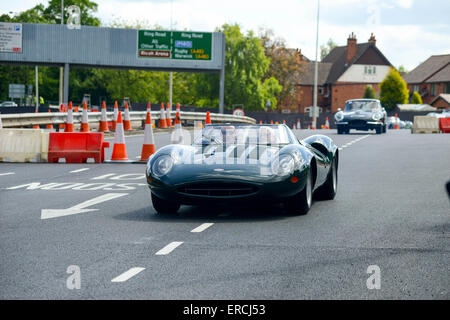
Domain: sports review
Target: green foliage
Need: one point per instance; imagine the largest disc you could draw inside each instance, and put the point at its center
(416, 98)
(369, 93)
(245, 66)
(285, 66)
(393, 90)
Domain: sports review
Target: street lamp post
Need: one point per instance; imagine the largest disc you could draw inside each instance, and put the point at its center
(316, 70)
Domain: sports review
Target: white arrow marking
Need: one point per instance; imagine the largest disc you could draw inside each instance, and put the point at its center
(79, 208)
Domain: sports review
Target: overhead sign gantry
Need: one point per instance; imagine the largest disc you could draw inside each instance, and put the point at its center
(58, 45)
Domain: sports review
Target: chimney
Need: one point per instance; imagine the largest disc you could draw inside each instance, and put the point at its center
(372, 39)
(351, 48)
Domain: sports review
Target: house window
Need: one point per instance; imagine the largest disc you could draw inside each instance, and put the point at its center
(321, 90)
(447, 87)
(370, 69)
(416, 88)
(433, 90)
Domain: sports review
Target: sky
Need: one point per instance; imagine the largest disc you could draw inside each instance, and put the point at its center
(407, 31)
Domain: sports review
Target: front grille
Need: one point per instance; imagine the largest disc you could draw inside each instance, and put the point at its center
(358, 123)
(218, 189)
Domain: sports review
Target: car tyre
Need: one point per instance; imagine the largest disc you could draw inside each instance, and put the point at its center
(164, 206)
(340, 130)
(301, 202)
(379, 129)
(329, 189)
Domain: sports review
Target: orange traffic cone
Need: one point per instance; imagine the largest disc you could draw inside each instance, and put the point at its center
(119, 149)
(294, 127)
(126, 119)
(148, 148)
(84, 119)
(396, 125)
(178, 107)
(168, 118)
(62, 125)
(309, 126)
(116, 112)
(177, 134)
(313, 125)
(49, 126)
(76, 109)
(208, 118)
(327, 124)
(149, 107)
(271, 121)
(260, 121)
(103, 121)
(69, 121)
(162, 118)
(284, 121)
(299, 126)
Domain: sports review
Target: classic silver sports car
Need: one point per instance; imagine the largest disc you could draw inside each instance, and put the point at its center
(361, 114)
(235, 163)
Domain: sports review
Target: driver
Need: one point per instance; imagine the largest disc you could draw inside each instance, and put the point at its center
(228, 134)
(267, 135)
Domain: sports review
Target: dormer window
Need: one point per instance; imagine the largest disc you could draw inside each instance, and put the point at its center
(369, 70)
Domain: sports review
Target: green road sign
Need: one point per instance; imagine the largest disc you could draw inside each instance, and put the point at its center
(180, 45)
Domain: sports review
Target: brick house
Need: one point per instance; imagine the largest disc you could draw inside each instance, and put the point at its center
(441, 102)
(430, 78)
(344, 74)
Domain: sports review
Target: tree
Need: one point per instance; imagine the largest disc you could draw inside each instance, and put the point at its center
(369, 93)
(285, 66)
(402, 69)
(245, 66)
(416, 98)
(393, 90)
(326, 49)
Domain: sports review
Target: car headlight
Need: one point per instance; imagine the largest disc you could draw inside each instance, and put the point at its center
(162, 165)
(283, 165)
(377, 116)
(339, 116)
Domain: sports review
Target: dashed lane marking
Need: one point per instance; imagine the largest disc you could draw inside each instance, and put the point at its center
(202, 227)
(79, 170)
(169, 248)
(6, 173)
(128, 274)
(348, 144)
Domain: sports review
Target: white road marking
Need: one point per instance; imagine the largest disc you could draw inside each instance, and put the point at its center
(169, 248)
(104, 176)
(202, 227)
(128, 274)
(6, 173)
(79, 170)
(79, 208)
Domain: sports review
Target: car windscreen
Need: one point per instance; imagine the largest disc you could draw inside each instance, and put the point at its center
(230, 134)
(361, 105)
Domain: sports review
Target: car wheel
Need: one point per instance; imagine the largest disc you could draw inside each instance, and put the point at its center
(163, 206)
(301, 202)
(378, 130)
(329, 189)
(340, 130)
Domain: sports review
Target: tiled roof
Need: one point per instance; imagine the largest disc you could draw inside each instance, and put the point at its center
(307, 77)
(430, 68)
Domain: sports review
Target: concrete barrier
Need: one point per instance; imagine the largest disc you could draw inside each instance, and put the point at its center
(424, 124)
(23, 145)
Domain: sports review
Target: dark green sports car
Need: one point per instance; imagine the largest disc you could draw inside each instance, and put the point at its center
(235, 164)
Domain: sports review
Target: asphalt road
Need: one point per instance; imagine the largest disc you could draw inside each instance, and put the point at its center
(391, 211)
